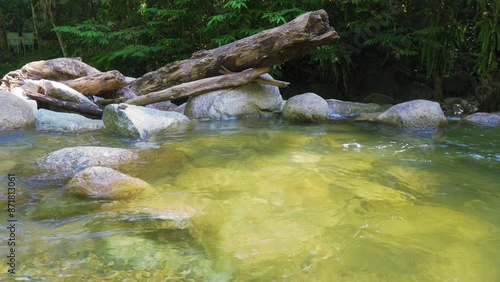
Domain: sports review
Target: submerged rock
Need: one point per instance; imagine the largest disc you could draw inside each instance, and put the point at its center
(416, 114)
(15, 112)
(247, 100)
(69, 161)
(140, 122)
(485, 118)
(345, 108)
(55, 121)
(307, 107)
(105, 183)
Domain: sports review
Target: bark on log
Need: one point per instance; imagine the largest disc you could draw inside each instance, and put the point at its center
(199, 86)
(74, 107)
(269, 47)
(58, 69)
(98, 83)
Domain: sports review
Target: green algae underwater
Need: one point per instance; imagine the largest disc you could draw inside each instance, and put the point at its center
(257, 200)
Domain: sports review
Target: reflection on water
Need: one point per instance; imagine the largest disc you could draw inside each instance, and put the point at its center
(262, 201)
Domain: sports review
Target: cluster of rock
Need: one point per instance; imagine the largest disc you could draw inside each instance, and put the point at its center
(250, 100)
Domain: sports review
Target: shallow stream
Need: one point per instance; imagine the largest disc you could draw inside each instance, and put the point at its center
(254, 200)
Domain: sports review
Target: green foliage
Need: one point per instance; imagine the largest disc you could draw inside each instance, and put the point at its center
(136, 36)
(488, 36)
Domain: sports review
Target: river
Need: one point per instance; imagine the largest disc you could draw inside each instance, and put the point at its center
(259, 200)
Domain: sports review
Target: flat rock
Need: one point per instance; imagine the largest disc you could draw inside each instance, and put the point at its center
(345, 108)
(485, 118)
(99, 182)
(15, 113)
(416, 114)
(55, 121)
(253, 99)
(69, 161)
(307, 107)
(140, 122)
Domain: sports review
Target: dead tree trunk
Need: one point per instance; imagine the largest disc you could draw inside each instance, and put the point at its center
(198, 87)
(74, 107)
(99, 83)
(267, 48)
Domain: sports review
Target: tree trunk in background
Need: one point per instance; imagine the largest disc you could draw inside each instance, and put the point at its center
(4, 46)
(33, 15)
(267, 48)
(438, 86)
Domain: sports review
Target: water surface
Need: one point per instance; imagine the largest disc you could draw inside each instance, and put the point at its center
(265, 201)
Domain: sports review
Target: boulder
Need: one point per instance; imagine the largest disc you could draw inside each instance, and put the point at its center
(58, 91)
(379, 98)
(485, 118)
(181, 108)
(253, 99)
(457, 106)
(140, 122)
(344, 108)
(416, 114)
(15, 112)
(18, 91)
(55, 121)
(307, 107)
(105, 183)
(163, 106)
(69, 161)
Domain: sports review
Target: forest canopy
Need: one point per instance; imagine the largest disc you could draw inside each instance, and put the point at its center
(427, 40)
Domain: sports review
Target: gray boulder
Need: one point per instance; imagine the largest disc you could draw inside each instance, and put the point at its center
(416, 114)
(140, 122)
(181, 108)
(163, 106)
(307, 107)
(55, 121)
(15, 112)
(69, 161)
(344, 108)
(253, 99)
(485, 118)
(58, 91)
(105, 183)
(19, 92)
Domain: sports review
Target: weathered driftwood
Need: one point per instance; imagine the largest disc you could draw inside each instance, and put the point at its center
(74, 107)
(269, 47)
(263, 80)
(58, 69)
(199, 86)
(98, 83)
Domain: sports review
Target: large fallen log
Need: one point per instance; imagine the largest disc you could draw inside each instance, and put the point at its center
(98, 83)
(269, 47)
(58, 69)
(199, 86)
(74, 107)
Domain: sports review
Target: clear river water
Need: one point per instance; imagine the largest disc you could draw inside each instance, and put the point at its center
(258, 200)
